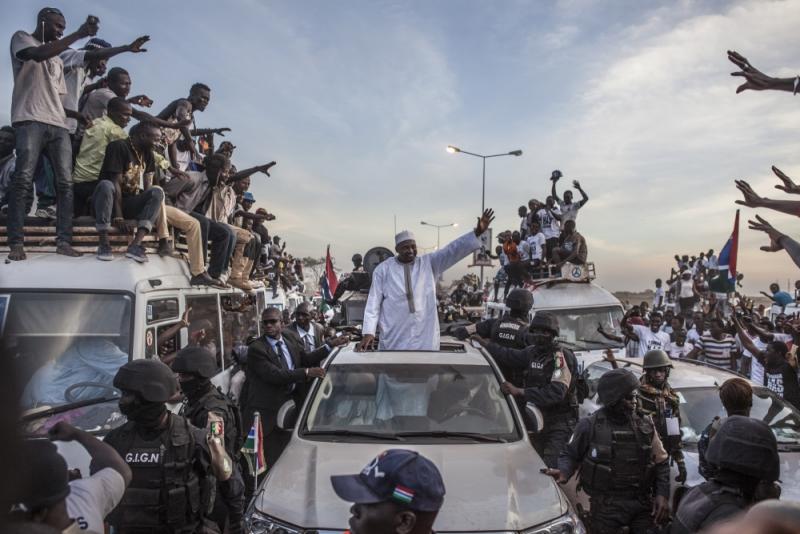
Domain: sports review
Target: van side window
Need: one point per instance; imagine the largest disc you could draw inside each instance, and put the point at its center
(204, 328)
(239, 322)
(162, 309)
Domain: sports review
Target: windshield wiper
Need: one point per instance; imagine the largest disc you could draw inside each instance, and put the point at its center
(61, 408)
(353, 433)
(448, 434)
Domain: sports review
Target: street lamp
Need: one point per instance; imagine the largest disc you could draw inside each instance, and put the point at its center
(454, 149)
(438, 229)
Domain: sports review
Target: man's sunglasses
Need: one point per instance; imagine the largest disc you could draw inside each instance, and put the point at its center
(303, 314)
(271, 321)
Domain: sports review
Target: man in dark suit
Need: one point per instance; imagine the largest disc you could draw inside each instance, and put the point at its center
(311, 334)
(278, 368)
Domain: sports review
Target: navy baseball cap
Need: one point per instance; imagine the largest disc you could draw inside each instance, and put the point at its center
(249, 196)
(397, 475)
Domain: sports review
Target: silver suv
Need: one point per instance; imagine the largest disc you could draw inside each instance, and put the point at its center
(448, 406)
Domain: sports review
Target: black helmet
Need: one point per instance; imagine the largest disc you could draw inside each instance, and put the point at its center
(153, 380)
(195, 361)
(520, 300)
(356, 258)
(545, 321)
(656, 358)
(614, 385)
(745, 446)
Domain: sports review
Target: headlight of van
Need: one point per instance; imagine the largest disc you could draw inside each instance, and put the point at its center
(259, 523)
(566, 524)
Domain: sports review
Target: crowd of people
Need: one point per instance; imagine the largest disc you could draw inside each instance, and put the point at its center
(162, 177)
(547, 239)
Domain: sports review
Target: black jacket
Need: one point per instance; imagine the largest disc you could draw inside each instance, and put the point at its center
(270, 383)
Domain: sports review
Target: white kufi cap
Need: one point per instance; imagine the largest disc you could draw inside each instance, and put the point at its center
(405, 235)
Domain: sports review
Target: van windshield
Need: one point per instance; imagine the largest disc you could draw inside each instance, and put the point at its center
(579, 326)
(66, 347)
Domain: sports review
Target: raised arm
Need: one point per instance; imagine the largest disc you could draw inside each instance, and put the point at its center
(746, 342)
(553, 192)
(777, 240)
(753, 200)
(49, 50)
(584, 196)
(455, 251)
(241, 175)
(103, 455)
(755, 80)
(106, 53)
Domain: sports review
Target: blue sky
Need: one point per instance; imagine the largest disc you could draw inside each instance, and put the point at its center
(356, 101)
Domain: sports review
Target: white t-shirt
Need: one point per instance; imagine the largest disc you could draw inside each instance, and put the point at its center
(549, 224)
(91, 499)
(649, 340)
(38, 86)
(676, 352)
(659, 295)
(536, 242)
(692, 336)
(756, 369)
(686, 289)
(569, 212)
(524, 250)
(75, 78)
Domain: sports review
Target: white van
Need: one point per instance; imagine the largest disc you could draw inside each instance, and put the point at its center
(579, 304)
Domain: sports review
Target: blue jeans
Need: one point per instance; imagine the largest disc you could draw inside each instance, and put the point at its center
(144, 207)
(223, 243)
(33, 139)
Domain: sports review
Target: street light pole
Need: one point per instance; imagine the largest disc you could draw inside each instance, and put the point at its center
(454, 149)
(438, 234)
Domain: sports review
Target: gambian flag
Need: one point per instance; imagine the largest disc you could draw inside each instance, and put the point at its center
(728, 254)
(253, 448)
(329, 280)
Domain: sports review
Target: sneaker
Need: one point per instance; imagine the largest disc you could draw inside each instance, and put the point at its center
(104, 253)
(136, 253)
(65, 249)
(202, 279)
(46, 213)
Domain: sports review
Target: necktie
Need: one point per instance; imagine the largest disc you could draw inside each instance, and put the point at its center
(409, 289)
(279, 350)
(309, 342)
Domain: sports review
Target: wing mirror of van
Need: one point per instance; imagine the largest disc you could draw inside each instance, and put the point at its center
(287, 416)
(535, 416)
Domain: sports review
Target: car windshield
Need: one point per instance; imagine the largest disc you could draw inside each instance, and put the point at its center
(391, 399)
(66, 349)
(579, 326)
(700, 405)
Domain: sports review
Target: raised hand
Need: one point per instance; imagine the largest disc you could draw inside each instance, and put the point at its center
(484, 221)
(576, 184)
(751, 198)
(788, 185)
(142, 100)
(755, 80)
(90, 27)
(775, 236)
(265, 168)
(136, 46)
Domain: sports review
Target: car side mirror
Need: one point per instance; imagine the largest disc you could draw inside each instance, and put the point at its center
(287, 416)
(535, 416)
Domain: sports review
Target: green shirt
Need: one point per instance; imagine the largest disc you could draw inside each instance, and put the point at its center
(93, 149)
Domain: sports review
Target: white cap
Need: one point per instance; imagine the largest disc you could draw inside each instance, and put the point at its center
(405, 235)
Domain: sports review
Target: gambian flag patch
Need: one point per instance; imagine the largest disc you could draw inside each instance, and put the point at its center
(403, 494)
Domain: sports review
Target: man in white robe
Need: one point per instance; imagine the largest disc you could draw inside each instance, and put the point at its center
(402, 298)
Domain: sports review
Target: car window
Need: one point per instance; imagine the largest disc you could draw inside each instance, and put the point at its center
(162, 309)
(204, 330)
(392, 398)
(239, 322)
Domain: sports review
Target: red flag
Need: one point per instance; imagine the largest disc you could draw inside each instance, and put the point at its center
(329, 281)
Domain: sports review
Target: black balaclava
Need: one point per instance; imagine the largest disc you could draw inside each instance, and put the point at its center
(142, 412)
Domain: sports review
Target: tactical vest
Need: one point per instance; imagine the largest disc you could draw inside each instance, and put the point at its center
(650, 398)
(540, 371)
(511, 332)
(216, 401)
(165, 494)
(699, 503)
(620, 457)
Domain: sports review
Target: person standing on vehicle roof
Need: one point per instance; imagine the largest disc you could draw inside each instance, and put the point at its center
(195, 367)
(511, 330)
(402, 298)
(745, 453)
(174, 463)
(550, 382)
(399, 492)
(621, 462)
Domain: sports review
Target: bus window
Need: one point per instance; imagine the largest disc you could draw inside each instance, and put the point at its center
(239, 322)
(162, 309)
(204, 324)
(168, 345)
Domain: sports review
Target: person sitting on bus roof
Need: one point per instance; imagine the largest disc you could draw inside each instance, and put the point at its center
(573, 247)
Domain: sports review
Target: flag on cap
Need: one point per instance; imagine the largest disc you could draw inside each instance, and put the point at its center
(403, 494)
(253, 449)
(329, 280)
(728, 254)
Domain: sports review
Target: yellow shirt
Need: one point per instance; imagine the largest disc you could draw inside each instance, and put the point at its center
(93, 149)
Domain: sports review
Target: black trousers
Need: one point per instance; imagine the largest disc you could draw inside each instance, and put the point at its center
(611, 514)
(551, 440)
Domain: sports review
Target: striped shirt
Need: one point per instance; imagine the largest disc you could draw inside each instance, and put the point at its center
(717, 352)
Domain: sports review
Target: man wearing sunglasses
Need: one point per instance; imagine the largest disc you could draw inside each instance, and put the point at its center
(310, 332)
(623, 464)
(279, 369)
(39, 121)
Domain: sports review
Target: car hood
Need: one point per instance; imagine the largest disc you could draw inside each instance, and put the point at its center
(490, 487)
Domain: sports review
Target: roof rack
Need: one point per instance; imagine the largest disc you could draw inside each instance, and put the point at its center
(41, 235)
(551, 274)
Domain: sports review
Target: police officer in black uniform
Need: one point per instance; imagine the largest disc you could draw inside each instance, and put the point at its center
(621, 461)
(550, 382)
(174, 463)
(745, 454)
(195, 367)
(511, 330)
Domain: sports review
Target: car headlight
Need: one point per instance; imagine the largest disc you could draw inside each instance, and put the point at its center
(568, 523)
(259, 523)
